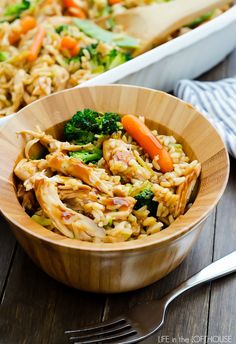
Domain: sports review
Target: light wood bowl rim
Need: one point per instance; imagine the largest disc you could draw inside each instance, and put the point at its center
(155, 240)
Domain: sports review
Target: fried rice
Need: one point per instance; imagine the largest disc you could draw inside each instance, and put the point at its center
(100, 201)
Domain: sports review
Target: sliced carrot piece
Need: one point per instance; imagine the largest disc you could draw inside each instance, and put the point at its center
(77, 12)
(28, 23)
(74, 9)
(14, 36)
(150, 143)
(113, 2)
(69, 3)
(75, 51)
(68, 42)
(36, 44)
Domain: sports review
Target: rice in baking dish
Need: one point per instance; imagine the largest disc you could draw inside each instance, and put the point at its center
(42, 50)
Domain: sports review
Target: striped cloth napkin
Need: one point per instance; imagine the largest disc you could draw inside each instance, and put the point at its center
(217, 101)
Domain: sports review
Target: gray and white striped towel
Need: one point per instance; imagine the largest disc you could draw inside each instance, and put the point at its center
(217, 101)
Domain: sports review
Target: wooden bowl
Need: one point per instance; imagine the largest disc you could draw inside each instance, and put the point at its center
(115, 267)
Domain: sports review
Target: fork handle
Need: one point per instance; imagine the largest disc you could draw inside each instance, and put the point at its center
(219, 268)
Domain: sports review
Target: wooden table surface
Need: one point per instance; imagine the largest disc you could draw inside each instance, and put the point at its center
(35, 309)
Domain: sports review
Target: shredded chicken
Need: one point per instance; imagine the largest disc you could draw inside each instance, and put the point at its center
(66, 220)
(176, 203)
(25, 169)
(27, 199)
(122, 161)
(81, 197)
(96, 177)
(185, 189)
(52, 144)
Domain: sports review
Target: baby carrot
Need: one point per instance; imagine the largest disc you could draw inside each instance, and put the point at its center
(145, 138)
(36, 44)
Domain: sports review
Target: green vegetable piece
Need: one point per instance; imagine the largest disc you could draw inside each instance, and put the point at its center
(97, 69)
(110, 222)
(77, 135)
(3, 56)
(118, 60)
(105, 11)
(113, 59)
(81, 127)
(100, 63)
(200, 20)
(73, 59)
(92, 49)
(43, 221)
(94, 31)
(61, 28)
(16, 9)
(145, 197)
(88, 156)
(110, 23)
(85, 125)
(109, 123)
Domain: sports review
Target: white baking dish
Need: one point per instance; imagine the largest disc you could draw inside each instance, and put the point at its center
(185, 57)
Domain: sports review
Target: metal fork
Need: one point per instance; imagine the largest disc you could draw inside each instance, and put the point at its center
(142, 320)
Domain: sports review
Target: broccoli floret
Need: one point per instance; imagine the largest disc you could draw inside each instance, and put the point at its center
(115, 58)
(85, 125)
(95, 58)
(100, 63)
(82, 127)
(145, 197)
(77, 135)
(86, 119)
(92, 49)
(109, 123)
(87, 156)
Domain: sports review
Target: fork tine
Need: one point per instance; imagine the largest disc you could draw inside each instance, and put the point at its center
(108, 338)
(102, 325)
(113, 330)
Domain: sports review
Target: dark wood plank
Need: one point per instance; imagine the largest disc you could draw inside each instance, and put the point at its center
(183, 313)
(73, 310)
(222, 310)
(25, 313)
(36, 309)
(7, 248)
(222, 318)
